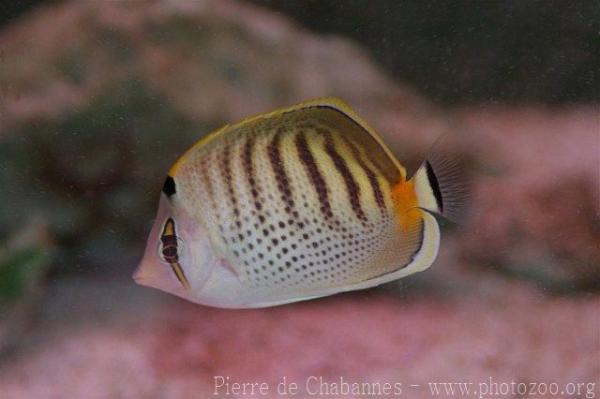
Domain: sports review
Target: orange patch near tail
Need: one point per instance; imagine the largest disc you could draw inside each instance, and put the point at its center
(406, 205)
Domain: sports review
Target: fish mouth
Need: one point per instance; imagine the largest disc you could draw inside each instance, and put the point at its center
(144, 273)
(138, 276)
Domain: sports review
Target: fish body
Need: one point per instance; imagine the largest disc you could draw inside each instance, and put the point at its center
(291, 205)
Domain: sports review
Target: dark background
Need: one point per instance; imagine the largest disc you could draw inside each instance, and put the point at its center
(467, 51)
(461, 51)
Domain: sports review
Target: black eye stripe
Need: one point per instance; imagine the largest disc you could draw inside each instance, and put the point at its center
(170, 249)
(169, 187)
(168, 238)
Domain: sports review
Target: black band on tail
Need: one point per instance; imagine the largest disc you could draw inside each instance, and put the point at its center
(435, 186)
(448, 179)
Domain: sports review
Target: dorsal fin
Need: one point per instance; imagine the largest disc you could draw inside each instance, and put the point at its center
(331, 112)
(335, 113)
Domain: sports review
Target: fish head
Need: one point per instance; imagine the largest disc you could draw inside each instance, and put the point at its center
(179, 257)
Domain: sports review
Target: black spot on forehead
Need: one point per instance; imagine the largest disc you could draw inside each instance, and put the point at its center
(169, 186)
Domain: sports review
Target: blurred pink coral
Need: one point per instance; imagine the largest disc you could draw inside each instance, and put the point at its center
(538, 214)
(174, 349)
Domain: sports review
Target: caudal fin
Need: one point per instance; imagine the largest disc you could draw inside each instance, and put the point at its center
(441, 183)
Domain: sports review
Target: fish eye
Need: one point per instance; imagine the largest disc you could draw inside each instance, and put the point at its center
(170, 252)
(170, 245)
(169, 249)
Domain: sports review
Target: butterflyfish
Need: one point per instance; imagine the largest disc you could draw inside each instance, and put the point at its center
(291, 205)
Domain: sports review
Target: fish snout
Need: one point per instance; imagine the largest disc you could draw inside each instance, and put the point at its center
(138, 275)
(145, 273)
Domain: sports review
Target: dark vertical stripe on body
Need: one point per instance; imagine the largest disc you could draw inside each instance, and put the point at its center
(226, 173)
(249, 171)
(352, 188)
(207, 182)
(375, 161)
(283, 182)
(308, 160)
(377, 193)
